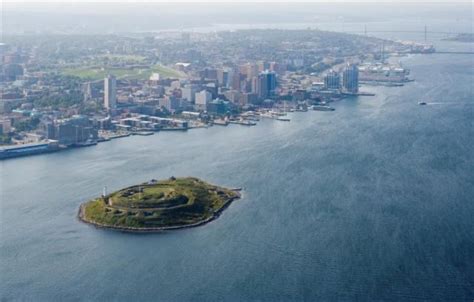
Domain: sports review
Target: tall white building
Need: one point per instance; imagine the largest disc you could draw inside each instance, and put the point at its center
(189, 92)
(202, 99)
(110, 92)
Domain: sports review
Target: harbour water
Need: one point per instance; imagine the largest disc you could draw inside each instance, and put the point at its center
(373, 201)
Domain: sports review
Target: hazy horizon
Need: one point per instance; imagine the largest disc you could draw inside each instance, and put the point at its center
(101, 17)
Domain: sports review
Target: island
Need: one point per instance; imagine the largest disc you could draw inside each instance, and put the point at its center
(154, 206)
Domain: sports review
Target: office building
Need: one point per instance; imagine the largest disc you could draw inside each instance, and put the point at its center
(189, 91)
(74, 130)
(217, 106)
(171, 103)
(110, 92)
(264, 85)
(202, 99)
(251, 71)
(350, 78)
(332, 80)
(223, 77)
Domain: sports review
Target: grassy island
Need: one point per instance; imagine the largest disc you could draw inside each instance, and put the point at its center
(159, 205)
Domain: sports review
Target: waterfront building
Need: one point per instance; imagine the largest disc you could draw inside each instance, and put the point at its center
(110, 92)
(48, 130)
(217, 106)
(75, 130)
(332, 80)
(350, 78)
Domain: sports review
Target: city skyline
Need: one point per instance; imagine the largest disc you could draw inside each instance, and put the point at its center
(224, 151)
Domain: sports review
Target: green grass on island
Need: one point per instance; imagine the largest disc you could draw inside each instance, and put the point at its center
(176, 202)
(97, 73)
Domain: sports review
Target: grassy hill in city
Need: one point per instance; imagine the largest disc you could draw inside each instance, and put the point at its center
(140, 73)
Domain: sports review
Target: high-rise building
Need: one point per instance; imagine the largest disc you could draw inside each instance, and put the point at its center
(248, 98)
(202, 99)
(74, 130)
(233, 96)
(87, 89)
(236, 80)
(265, 84)
(332, 80)
(350, 78)
(262, 66)
(171, 103)
(189, 91)
(110, 92)
(224, 77)
(208, 73)
(251, 70)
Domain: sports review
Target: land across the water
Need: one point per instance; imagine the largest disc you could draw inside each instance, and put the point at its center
(463, 37)
(155, 206)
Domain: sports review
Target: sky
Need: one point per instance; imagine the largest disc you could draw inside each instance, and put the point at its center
(110, 16)
(233, 1)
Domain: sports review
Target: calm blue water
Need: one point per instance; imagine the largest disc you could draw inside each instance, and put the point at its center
(374, 201)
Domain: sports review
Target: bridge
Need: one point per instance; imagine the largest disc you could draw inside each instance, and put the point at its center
(425, 32)
(455, 52)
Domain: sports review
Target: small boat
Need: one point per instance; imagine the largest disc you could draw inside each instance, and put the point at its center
(421, 103)
(283, 119)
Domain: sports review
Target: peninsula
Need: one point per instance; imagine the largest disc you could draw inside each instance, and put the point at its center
(155, 206)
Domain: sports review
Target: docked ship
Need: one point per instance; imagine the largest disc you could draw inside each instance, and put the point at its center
(272, 114)
(28, 149)
(383, 74)
(243, 122)
(322, 108)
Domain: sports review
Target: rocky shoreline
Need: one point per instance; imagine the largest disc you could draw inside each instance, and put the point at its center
(81, 217)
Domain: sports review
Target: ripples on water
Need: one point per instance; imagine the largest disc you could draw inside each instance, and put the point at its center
(370, 202)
